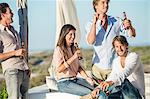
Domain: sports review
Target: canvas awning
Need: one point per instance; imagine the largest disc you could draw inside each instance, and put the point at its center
(66, 14)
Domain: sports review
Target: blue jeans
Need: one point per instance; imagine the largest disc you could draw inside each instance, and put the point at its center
(17, 83)
(102, 94)
(77, 86)
(125, 91)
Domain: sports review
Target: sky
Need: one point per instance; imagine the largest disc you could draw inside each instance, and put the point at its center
(42, 20)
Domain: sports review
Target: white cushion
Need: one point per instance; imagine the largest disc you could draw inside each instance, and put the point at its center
(59, 95)
(51, 83)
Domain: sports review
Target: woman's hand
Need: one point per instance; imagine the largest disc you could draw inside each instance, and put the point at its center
(76, 54)
(90, 81)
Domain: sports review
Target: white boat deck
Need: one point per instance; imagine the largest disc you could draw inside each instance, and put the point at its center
(42, 92)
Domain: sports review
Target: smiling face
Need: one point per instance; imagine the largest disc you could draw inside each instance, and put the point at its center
(121, 49)
(102, 6)
(70, 37)
(7, 17)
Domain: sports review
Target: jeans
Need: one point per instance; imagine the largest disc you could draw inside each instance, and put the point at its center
(102, 94)
(17, 83)
(77, 86)
(124, 91)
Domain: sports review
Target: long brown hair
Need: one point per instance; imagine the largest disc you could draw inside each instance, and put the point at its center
(62, 41)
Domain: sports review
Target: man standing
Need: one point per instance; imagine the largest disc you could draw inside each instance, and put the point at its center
(100, 32)
(15, 68)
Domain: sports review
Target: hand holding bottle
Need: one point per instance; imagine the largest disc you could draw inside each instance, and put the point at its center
(78, 51)
(126, 22)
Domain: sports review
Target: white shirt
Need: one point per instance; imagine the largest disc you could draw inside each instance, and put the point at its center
(133, 71)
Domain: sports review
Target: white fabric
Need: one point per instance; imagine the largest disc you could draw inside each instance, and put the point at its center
(51, 83)
(59, 95)
(133, 71)
(66, 14)
(21, 3)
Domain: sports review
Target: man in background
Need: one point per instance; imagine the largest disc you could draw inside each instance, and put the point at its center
(15, 68)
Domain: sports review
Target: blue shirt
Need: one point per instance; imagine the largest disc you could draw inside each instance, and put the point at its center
(103, 49)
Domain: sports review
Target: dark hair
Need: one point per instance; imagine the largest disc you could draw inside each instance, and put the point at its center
(121, 39)
(3, 7)
(95, 2)
(62, 41)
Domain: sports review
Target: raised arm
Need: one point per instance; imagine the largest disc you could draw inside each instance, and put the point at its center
(91, 37)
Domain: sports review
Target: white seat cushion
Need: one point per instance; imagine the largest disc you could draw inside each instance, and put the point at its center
(59, 95)
(51, 83)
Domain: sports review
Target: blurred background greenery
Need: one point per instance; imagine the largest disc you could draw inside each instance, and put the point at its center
(40, 62)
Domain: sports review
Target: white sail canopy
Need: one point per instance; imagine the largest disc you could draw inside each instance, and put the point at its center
(66, 14)
(22, 3)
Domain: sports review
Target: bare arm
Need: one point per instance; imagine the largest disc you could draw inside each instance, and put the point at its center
(7, 55)
(83, 73)
(66, 64)
(20, 52)
(92, 34)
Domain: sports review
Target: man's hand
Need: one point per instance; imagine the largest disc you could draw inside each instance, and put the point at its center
(105, 85)
(95, 92)
(95, 18)
(127, 24)
(20, 52)
(29, 73)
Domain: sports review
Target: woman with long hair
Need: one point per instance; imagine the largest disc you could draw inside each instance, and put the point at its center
(67, 65)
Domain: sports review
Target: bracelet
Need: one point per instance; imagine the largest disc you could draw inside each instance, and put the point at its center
(66, 64)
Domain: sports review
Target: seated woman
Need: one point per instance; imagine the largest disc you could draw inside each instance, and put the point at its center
(66, 62)
(126, 66)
